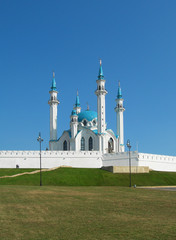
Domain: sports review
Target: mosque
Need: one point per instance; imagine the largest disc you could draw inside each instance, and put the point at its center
(88, 129)
(89, 143)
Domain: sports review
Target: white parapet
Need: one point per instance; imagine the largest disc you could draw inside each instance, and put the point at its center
(157, 162)
(50, 159)
(85, 159)
(153, 161)
(120, 159)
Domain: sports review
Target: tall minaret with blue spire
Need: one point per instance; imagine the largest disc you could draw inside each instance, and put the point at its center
(101, 93)
(53, 102)
(77, 106)
(119, 111)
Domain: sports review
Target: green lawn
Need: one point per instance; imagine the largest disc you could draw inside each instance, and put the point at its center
(86, 213)
(89, 177)
(13, 171)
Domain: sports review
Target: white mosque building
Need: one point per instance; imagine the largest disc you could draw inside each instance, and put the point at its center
(89, 143)
(88, 129)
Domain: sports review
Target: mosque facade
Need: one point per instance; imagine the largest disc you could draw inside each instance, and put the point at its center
(88, 129)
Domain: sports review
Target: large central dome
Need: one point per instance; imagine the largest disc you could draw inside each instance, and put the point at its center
(88, 115)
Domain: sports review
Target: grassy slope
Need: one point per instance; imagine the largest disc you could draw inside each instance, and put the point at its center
(13, 171)
(52, 213)
(91, 177)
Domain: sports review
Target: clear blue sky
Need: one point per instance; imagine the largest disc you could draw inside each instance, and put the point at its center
(136, 41)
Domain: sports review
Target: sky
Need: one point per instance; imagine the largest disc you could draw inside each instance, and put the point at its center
(136, 41)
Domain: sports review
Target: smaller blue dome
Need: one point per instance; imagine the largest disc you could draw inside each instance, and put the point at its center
(88, 115)
(73, 112)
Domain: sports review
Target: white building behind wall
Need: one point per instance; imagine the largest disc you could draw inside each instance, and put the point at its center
(89, 143)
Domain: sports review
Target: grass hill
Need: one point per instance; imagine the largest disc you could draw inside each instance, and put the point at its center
(86, 177)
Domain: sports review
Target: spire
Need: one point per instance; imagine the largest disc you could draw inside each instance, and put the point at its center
(119, 94)
(87, 106)
(53, 86)
(77, 104)
(100, 75)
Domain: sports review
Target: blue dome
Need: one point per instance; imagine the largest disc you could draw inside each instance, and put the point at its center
(73, 112)
(88, 115)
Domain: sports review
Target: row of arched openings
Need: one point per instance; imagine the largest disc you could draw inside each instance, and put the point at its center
(90, 144)
(83, 147)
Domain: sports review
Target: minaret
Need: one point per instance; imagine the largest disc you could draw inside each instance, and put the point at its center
(74, 124)
(77, 104)
(119, 110)
(53, 102)
(101, 93)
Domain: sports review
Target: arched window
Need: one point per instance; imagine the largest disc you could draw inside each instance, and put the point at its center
(90, 144)
(94, 122)
(85, 122)
(99, 87)
(65, 145)
(82, 144)
(110, 145)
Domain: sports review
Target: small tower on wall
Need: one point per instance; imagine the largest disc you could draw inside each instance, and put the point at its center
(77, 106)
(119, 112)
(53, 102)
(101, 93)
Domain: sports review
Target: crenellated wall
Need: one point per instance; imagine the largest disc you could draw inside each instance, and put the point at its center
(85, 159)
(157, 162)
(50, 159)
(153, 161)
(120, 159)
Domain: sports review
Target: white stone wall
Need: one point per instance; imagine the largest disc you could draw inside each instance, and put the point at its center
(158, 162)
(50, 159)
(153, 161)
(85, 159)
(120, 159)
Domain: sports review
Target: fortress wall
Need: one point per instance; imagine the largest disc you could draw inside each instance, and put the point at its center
(153, 161)
(120, 159)
(157, 162)
(50, 159)
(85, 159)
